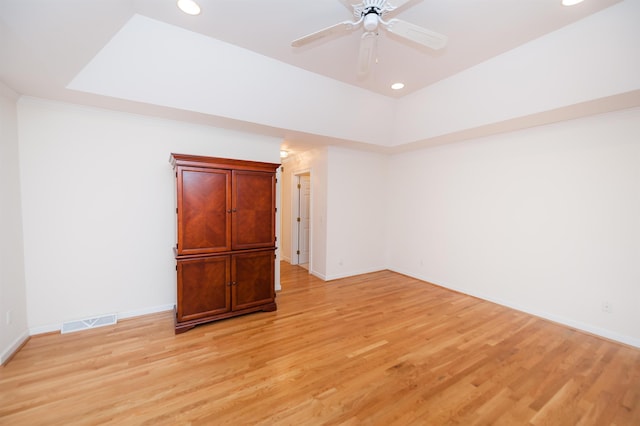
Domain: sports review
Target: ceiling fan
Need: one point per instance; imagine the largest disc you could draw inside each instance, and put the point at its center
(369, 14)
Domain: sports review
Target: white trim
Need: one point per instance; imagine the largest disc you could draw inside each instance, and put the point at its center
(601, 332)
(13, 347)
(318, 274)
(121, 315)
(50, 328)
(278, 225)
(353, 274)
(145, 311)
(295, 203)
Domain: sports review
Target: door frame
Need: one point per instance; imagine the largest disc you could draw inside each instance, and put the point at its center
(295, 203)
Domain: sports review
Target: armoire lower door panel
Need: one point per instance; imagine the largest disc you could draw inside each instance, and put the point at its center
(253, 277)
(203, 287)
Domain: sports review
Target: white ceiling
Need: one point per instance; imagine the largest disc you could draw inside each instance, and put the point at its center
(44, 44)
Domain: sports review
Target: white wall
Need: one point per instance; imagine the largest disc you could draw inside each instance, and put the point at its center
(348, 210)
(315, 162)
(98, 206)
(13, 330)
(357, 208)
(545, 220)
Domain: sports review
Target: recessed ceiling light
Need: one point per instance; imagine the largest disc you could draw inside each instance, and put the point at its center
(190, 7)
(570, 2)
(397, 86)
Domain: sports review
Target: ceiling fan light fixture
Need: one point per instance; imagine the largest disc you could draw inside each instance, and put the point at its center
(571, 2)
(397, 86)
(190, 7)
(370, 22)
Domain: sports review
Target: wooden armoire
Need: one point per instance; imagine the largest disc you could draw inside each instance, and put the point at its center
(225, 249)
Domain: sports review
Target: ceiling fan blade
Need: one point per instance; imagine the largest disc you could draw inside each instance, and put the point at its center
(349, 4)
(367, 52)
(342, 27)
(417, 34)
(396, 4)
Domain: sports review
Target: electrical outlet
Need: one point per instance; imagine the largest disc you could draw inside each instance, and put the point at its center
(607, 307)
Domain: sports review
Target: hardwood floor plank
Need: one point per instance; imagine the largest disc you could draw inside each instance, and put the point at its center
(377, 349)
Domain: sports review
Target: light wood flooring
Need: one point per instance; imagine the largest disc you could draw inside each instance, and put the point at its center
(376, 349)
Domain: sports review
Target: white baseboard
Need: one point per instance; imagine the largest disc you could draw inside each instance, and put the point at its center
(318, 274)
(145, 311)
(588, 328)
(121, 315)
(50, 328)
(353, 273)
(13, 347)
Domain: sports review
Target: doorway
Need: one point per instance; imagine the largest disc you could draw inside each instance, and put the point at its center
(301, 216)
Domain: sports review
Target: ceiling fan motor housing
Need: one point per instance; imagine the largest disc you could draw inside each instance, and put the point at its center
(371, 12)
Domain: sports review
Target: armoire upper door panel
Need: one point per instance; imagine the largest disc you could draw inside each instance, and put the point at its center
(254, 203)
(204, 210)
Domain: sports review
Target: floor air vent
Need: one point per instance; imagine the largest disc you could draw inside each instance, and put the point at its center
(85, 324)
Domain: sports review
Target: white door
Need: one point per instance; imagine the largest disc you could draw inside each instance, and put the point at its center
(304, 223)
